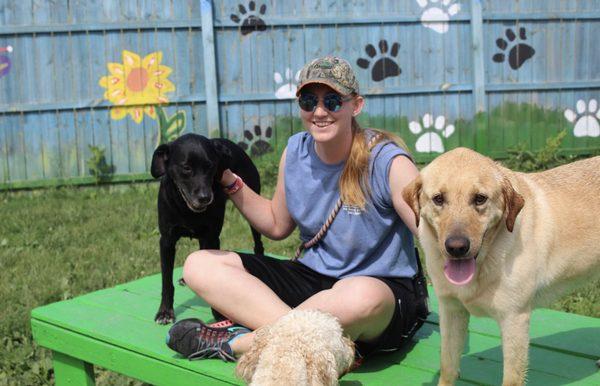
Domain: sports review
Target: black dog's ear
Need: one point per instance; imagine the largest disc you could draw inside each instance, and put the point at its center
(224, 153)
(159, 161)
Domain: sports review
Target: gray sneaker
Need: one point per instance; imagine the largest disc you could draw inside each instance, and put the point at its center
(194, 339)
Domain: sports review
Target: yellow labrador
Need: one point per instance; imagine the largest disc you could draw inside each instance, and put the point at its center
(499, 243)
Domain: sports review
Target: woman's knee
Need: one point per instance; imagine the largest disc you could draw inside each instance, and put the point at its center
(368, 297)
(200, 267)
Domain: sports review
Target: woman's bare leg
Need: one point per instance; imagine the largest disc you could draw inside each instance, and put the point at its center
(220, 279)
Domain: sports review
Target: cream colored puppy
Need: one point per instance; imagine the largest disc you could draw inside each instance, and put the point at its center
(498, 243)
(303, 348)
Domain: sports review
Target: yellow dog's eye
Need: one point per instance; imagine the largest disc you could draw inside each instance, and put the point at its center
(480, 199)
(438, 199)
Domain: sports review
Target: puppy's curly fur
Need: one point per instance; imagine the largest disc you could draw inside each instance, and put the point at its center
(304, 347)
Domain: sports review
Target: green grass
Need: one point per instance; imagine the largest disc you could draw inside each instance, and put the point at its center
(60, 243)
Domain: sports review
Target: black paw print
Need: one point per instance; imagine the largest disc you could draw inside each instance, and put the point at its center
(251, 22)
(384, 67)
(518, 54)
(257, 142)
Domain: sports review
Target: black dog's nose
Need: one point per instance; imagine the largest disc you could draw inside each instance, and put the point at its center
(457, 246)
(204, 199)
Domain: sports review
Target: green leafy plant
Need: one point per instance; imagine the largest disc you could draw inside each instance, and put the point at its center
(98, 166)
(525, 160)
(169, 127)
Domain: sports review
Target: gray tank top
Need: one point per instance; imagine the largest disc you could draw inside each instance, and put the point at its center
(373, 242)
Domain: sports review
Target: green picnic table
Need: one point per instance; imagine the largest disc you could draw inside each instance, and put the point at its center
(114, 328)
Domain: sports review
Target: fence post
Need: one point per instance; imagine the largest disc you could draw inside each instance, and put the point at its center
(210, 70)
(480, 120)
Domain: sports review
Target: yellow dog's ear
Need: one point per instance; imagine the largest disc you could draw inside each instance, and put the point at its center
(513, 203)
(410, 194)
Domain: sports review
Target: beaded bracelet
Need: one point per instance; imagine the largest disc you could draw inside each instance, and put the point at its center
(234, 186)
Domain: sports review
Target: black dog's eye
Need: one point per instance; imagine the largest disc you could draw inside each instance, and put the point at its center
(186, 169)
(438, 199)
(480, 199)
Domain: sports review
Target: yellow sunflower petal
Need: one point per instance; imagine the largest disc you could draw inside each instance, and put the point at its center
(117, 113)
(161, 72)
(152, 61)
(130, 60)
(116, 69)
(164, 86)
(137, 114)
(103, 82)
(151, 111)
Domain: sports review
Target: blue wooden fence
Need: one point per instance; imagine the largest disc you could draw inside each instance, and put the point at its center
(441, 73)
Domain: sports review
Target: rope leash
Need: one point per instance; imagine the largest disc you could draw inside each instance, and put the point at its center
(331, 217)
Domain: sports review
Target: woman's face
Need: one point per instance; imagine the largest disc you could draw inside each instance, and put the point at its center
(325, 125)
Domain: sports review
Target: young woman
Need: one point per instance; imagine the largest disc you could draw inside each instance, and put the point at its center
(361, 271)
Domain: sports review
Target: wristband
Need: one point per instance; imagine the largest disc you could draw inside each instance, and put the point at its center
(235, 186)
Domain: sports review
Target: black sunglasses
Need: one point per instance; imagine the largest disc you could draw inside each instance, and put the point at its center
(332, 102)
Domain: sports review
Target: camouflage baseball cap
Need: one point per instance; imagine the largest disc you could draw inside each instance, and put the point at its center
(332, 71)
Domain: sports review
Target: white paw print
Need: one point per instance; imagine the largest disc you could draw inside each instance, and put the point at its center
(436, 16)
(288, 89)
(586, 122)
(430, 140)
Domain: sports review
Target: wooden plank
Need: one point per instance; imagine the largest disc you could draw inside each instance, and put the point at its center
(118, 359)
(71, 371)
(210, 71)
(560, 331)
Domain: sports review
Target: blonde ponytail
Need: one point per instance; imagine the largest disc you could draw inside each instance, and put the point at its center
(354, 181)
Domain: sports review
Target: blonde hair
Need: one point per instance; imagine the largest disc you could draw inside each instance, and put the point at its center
(354, 181)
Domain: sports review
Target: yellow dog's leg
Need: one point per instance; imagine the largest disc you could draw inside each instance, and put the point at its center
(515, 347)
(454, 320)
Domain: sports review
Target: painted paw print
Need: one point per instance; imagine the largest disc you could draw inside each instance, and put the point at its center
(257, 142)
(430, 139)
(251, 19)
(586, 119)
(518, 53)
(5, 62)
(436, 16)
(287, 89)
(384, 67)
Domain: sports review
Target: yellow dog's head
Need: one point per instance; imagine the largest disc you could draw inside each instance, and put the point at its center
(463, 197)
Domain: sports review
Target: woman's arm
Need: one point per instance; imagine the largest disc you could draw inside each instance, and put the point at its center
(402, 172)
(269, 217)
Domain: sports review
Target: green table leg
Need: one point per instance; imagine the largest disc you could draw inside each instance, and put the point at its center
(72, 371)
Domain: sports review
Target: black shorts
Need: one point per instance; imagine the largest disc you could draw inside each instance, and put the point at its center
(294, 282)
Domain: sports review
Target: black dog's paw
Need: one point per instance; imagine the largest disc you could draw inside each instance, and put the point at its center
(181, 282)
(165, 316)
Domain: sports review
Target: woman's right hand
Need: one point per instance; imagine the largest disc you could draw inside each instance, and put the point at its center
(269, 217)
(227, 178)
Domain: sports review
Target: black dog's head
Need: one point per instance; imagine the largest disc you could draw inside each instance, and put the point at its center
(194, 163)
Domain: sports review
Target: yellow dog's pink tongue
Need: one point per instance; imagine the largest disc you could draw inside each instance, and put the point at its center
(459, 271)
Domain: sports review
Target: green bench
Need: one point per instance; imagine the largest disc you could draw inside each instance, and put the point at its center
(114, 328)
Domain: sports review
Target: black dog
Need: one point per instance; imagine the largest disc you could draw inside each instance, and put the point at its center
(191, 201)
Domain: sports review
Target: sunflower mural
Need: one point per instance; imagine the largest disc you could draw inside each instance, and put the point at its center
(5, 60)
(138, 87)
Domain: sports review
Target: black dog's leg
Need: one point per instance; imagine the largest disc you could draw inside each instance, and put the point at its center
(258, 245)
(165, 314)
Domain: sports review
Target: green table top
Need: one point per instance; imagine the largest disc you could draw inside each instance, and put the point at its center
(114, 328)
